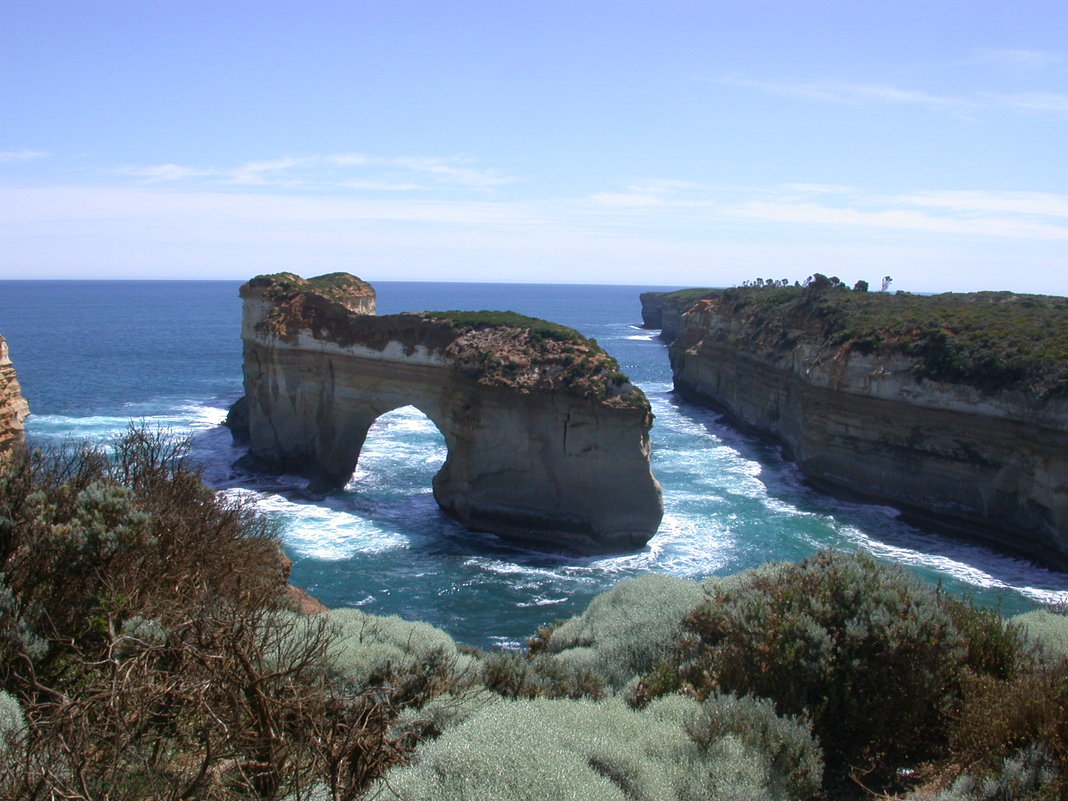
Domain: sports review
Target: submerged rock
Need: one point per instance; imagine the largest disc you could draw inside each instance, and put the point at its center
(548, 443)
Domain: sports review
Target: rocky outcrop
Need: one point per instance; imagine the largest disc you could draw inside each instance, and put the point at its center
(548, 444)
(13, 407)
(664, 310)
(887, 416)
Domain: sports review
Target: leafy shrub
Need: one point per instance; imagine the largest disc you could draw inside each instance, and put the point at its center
(871, 656)
(516, 675)
(91, 536)
(371, 648)
(11, 720)
(1048, 628)
(1027, 776)
(627, 630)
(144, 632)
(999, 718)
(794, 763)
(580, 749)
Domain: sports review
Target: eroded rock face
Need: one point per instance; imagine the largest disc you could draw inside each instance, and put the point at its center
(664, 310)
(547, 443)
(992, 466)
(13, 407)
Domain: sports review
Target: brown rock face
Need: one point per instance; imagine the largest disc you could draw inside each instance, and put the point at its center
(989, 466)
(13, 407)
(547, 443)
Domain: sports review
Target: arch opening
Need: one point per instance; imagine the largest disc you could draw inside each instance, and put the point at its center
(400, 456)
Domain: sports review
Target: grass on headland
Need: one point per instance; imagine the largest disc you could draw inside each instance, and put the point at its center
(993, 341)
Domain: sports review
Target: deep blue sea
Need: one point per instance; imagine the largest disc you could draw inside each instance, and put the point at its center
(93, 355)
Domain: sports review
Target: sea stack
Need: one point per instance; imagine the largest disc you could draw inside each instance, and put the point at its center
(548, 443)
(952, 408)
(13, 407)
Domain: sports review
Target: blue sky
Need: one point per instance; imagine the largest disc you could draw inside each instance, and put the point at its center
(671, 143)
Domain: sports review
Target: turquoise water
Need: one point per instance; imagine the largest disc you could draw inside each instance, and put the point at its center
(93, 355)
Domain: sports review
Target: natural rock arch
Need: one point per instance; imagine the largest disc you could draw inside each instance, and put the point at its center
(547, 443)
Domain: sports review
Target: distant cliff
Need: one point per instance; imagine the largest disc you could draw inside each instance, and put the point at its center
(664, 310)
(954, 408)
(548, 443)
(13, 407)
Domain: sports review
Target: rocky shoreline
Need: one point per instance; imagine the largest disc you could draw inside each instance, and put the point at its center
(865, 421)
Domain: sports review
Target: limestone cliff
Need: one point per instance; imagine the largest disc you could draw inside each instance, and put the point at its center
(952, 408)
(664, 310)
(548, 443)
(13, 407)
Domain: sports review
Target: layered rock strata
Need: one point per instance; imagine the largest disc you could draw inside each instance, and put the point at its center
(664, 310)
(953, 454)
(13, 407)
(547, 443)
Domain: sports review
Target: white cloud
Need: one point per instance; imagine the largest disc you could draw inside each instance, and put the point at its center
(1027, 203)
(336, 170)
(11, 156)
(1027, 60)
(167, 172)
(860, 94)
(656, 232)
(853, 94)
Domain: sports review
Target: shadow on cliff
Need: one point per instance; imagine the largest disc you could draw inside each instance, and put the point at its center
(880, 527)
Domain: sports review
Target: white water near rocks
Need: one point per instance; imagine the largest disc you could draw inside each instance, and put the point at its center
(91, 356)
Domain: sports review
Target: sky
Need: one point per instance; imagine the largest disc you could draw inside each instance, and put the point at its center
(651, 143)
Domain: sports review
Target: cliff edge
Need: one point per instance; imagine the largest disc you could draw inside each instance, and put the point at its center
(953, 408)
(548, 443)
(13, 407)
(664, 310)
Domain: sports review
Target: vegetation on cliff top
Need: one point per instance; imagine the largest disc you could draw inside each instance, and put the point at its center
(507, 348)
(335, 286)
(146, 651)
(993, 341)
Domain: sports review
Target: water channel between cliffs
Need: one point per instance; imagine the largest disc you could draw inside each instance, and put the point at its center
(169, 353)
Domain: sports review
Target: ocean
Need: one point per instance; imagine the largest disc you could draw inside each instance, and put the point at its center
(94, 355)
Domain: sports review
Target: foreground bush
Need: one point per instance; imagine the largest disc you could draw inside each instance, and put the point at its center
(626, 630)
(872, 657)
(674, 750)
(146, 648)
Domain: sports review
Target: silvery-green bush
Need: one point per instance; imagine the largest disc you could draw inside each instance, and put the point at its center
(627, 630)
(563, 749)
(1022, 777)
(1048, 628)
(367, 645)
(11, 719)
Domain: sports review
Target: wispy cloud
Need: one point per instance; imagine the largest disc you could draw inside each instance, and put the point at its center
(11, 156)
(1018, 59)
(1019, 215)
(358, 171)
(853, 94)
(863, 94)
